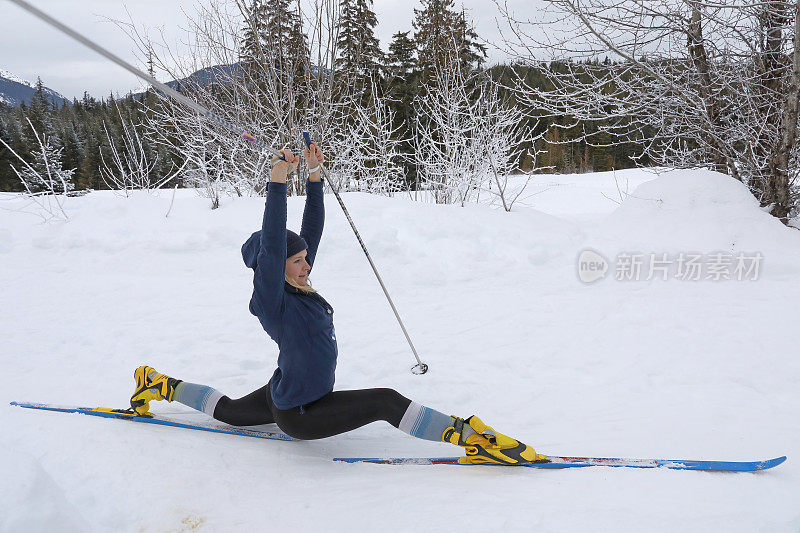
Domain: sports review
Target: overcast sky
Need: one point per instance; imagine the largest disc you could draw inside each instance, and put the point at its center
(30, 48)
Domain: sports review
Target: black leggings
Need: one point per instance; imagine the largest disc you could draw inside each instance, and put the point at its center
(334, 413)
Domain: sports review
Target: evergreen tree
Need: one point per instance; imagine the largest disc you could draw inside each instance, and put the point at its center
(402, 79)
(471, 52)
(401, 60)
(90, 165)
(73, 147)
(15, 137)
(7, 178)
(274, 34)
(297, 51)
(443, 35)
(88, 101)
(253, 34)
(275, 53)
(359, 54)
(40, 113)
(402, 82)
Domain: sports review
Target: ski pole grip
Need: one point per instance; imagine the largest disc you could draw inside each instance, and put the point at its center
(307, 139)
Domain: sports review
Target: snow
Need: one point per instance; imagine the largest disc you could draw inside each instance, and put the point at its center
(32, 499)
(652, 369)
(13, 77)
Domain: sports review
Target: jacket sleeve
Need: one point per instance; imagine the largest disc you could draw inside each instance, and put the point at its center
(313, 218)
(269, 276)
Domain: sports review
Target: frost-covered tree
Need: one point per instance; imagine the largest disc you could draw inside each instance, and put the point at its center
(45, 173)
(45, 181)
(366, 148)
(502, 131)
(467, 139)
(130, 165)
(695, 83)
(255, 88)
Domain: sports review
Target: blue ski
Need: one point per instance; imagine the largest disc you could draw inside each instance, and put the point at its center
(573, 462)
(105, 412)
(554, 461)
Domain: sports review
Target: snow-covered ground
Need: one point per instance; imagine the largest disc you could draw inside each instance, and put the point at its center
(650, 368)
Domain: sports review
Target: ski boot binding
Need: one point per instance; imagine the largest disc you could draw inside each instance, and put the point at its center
(489, 447)
(150, 385)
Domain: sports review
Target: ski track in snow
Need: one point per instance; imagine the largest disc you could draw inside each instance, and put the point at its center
(668, 369)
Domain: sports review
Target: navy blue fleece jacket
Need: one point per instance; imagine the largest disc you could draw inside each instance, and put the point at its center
(301, 323)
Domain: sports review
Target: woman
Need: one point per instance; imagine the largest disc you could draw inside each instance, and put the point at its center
(299, 397)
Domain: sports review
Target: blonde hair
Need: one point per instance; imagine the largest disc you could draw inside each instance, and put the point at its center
(307, 288)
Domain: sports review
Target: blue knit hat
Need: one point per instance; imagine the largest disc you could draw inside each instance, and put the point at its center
(294, 243)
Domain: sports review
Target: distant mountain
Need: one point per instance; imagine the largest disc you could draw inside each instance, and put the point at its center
(15, 91)
(203, 77)
(209, 75)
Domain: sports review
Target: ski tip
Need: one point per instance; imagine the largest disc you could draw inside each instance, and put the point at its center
(774, 462)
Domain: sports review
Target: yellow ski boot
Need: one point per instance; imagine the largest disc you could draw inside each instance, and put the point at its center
(150, 385)
(489, 447)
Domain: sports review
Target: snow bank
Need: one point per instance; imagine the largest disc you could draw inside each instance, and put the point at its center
(701, 210)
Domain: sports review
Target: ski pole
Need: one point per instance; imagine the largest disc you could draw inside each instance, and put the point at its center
(420, 367)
